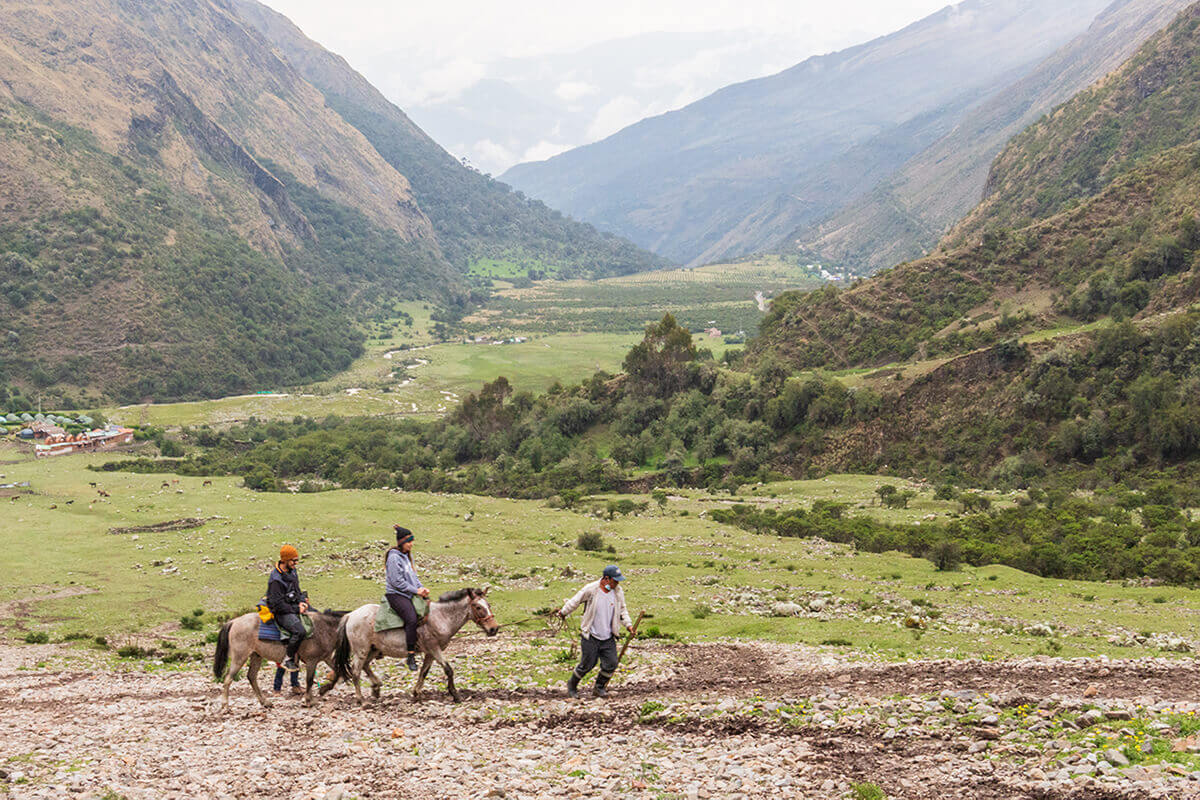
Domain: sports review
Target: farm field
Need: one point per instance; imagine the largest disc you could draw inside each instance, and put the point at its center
(725, 296)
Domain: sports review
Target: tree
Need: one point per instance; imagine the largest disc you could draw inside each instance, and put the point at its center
(885, 492)
(658, 363)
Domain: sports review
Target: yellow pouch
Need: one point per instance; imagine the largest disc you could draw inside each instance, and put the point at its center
(265, 614)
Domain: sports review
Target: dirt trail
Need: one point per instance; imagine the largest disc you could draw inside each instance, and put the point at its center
(157, 734)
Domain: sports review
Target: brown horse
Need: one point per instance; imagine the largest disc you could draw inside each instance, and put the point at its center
(239, 643)
(358, 642)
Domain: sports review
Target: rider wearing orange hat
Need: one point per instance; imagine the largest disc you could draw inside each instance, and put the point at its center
(287, 602)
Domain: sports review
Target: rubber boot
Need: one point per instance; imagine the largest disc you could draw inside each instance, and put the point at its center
(598, 690)
(573, 685)
(412, 662)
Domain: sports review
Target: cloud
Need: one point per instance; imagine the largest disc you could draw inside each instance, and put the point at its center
(444, 82)
(618, 113)
(571, 91)
(544, 150)
(492, 156)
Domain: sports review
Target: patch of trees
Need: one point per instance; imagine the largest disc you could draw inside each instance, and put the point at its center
(1066, 537)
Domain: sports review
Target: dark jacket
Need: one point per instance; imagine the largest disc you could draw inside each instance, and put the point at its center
(283, 592)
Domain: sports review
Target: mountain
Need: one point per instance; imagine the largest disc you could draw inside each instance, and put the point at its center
(474, 216)
(740, 169)
(184, 214)
(904, 216)
(1088, 213)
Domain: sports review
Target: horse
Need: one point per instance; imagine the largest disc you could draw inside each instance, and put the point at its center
(239, 642)
(358, 643)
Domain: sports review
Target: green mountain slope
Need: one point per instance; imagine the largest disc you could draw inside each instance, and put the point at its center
(474, 216)
(1090, 212)
(183, 215)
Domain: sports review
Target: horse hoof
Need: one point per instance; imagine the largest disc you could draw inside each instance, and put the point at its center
(267, 704)
(376, 693)
(456, 698)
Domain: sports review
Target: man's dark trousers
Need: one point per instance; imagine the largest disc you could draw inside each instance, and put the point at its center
(592, 650)
(292, 624)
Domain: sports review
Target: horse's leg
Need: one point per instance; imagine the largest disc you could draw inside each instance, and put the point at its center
(425, 665)
(309, 679)
(252, 676)
(333, 678)
(376, 681)
(357, 663)
(449, 670)
(236, 660)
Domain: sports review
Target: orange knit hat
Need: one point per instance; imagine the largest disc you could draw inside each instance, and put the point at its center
(287, 553)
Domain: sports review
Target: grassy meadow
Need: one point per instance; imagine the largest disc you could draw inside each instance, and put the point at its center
(573, 329)
(66, 572)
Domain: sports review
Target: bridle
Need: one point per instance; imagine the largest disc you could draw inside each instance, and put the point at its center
(477, 614)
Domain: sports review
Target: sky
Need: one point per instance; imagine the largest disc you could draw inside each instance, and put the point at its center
(501, 83)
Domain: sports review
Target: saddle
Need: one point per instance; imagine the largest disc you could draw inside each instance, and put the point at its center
(271, 632)
(386, 619)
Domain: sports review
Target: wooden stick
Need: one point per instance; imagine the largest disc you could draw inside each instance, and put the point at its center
(632, 634)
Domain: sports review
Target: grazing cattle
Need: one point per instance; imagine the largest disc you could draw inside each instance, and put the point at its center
(166, 485)
(207, 483)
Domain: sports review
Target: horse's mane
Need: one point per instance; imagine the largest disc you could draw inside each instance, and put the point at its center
(329, 612)
(456, 595)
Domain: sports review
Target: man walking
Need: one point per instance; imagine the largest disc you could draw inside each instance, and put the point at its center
(603, 612)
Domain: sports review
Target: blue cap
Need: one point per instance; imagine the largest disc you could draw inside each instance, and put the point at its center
(614, 572)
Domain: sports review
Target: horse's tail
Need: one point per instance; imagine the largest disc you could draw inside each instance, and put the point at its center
(341, 653)
(221, 659)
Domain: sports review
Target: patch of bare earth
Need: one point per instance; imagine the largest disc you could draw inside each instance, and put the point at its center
(695, 721)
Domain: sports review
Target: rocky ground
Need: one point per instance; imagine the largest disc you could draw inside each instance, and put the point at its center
(695, 721)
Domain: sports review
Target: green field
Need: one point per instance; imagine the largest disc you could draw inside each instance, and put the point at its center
(379, 383)
(719, 295)
(698, 579)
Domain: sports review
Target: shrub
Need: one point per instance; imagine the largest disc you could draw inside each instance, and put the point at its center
(838, 642)
(946, 555)
(701, 611)
(190, 623)
(37, 637)
(590, 541)
(867, 791)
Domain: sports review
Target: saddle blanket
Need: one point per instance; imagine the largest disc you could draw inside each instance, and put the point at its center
(271, 632)
(386, 619)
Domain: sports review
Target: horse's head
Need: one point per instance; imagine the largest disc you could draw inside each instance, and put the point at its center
(481, 612)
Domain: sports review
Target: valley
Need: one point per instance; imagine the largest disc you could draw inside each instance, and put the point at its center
(888, 409)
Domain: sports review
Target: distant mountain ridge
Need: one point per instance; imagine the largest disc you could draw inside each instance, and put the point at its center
(1090, 212)
(737, 171)
(905, 215)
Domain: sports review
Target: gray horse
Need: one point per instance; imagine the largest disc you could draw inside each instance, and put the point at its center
(358, 643)
(239, 642)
